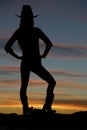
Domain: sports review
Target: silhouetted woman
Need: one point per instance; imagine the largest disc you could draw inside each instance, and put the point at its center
(28, 38)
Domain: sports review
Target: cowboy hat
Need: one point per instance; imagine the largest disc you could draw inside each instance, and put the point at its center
(26, 10)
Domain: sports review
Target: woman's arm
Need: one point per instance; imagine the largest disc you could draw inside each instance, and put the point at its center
(8, 46)
(47, 42)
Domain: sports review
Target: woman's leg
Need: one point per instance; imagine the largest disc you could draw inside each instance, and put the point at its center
(45, 75)
(24, 83)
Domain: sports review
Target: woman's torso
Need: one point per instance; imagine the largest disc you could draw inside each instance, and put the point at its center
(29, 43)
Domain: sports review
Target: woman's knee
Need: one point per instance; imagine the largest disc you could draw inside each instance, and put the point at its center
(51, 86)
(52, 82)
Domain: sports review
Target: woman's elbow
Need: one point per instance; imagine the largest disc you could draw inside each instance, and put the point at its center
(6, 49)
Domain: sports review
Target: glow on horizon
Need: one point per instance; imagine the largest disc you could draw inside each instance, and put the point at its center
(63, 109)
(66, 106)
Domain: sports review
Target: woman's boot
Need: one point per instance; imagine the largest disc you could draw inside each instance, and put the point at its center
(26, 109)
(48, 103)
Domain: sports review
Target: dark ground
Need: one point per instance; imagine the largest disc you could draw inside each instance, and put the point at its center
(39, 120)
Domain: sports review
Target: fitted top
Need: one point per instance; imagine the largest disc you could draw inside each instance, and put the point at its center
(29, 43)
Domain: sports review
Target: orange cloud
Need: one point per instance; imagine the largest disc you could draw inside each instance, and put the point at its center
(67, 73)
(12, 69)
(72, 102)
(68, 51)
(69, 84)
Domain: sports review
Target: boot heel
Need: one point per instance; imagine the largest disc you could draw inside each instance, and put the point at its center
(27, 111)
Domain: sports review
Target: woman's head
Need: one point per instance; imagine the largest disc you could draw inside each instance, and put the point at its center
(26, 16)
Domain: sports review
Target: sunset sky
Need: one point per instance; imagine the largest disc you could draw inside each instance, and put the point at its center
(65, 23)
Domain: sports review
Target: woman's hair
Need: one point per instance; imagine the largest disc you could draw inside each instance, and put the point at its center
(26, 22)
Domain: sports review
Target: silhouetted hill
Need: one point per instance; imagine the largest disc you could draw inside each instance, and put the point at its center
(39, 120)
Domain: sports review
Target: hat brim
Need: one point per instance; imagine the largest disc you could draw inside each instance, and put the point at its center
(34, 16)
